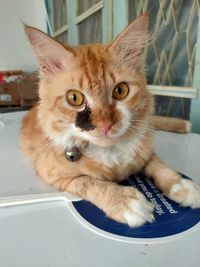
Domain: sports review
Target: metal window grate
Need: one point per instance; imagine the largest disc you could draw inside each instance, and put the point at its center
(170, 56)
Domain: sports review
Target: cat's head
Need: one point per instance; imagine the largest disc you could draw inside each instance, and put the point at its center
(96, 92)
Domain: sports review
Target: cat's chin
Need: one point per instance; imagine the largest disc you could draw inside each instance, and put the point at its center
(104, 141)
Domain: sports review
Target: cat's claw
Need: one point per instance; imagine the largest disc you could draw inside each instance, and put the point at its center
(139, 211)
(186, 193)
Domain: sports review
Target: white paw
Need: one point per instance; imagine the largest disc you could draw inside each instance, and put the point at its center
(139, 211)
(186, 193)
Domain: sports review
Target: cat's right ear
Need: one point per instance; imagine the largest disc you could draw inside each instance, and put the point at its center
(52, 56)
(130, 42)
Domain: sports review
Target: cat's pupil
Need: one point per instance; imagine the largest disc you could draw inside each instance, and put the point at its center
(74, 97)
(119, 90)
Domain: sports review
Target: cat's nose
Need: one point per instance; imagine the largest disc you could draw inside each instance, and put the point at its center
(105, 126)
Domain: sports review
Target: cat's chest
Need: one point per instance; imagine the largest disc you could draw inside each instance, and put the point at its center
(122, 154)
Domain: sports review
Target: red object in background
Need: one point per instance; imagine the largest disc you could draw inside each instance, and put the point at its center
(1, 78)
(18, 88)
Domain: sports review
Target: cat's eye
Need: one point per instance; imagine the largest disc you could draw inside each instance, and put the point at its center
(120, 91)
(75, 98)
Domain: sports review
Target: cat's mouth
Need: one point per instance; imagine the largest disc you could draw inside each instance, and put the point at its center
(106, 138)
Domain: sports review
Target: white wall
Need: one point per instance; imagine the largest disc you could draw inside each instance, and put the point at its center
(15, 51)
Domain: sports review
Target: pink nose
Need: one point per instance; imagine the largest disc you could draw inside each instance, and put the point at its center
(105, 126)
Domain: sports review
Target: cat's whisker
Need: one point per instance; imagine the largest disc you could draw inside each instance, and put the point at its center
(142, 124)
(44, 147)
(142, 128)
(26, 55)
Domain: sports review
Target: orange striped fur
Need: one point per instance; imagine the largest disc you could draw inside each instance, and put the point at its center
(114, 136)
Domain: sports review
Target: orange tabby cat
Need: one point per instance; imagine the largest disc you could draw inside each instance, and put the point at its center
(94, 98)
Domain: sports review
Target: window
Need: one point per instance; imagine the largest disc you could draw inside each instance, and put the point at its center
(78, 21)
(57, 12)
(170, 54)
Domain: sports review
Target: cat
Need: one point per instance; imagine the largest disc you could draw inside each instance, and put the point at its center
(94, 98)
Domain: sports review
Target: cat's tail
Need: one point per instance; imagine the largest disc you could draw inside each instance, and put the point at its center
(171, 124)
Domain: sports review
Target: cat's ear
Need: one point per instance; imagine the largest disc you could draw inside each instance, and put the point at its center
(52, 56)
(128, 45)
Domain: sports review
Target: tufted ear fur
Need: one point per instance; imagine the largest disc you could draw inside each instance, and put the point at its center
(52, 55)
(129, 43)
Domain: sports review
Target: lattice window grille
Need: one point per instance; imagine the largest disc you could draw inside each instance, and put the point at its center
(168, 14)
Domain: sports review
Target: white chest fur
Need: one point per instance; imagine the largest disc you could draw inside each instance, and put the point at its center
(122, 153)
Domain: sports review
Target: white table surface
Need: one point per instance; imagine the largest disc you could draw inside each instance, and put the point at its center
(47, 234)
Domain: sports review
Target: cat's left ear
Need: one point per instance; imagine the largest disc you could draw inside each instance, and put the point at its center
(130, 42)
(52, 55)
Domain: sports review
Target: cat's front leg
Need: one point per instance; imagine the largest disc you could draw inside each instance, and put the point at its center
(183, 191)
(122, 204)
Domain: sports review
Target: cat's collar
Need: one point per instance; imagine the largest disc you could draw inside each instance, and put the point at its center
(74, 151)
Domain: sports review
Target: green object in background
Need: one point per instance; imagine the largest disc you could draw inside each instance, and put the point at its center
(195, 105)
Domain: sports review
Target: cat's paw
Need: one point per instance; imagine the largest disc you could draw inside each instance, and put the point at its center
(139, 211)
(133, 209)
(186, 193)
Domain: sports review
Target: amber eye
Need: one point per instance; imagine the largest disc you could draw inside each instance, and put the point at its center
(120, 91)
(75, 98)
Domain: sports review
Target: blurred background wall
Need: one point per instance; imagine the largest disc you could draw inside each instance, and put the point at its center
(15, 51)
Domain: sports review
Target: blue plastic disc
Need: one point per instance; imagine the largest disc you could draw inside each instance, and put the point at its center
(170, 218)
